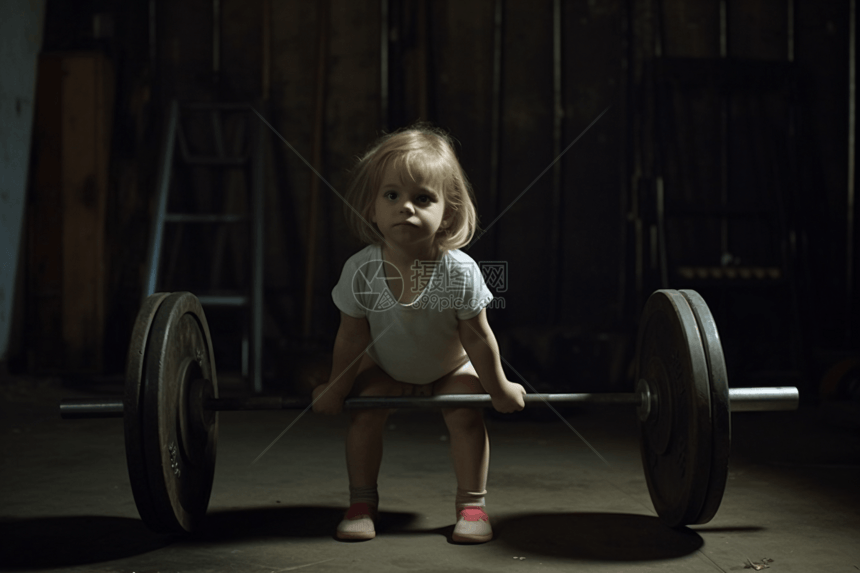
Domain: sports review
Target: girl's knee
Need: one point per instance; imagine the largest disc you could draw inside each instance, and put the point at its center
(370, 417)
(471, 384)
(458, 383)
(463, 418)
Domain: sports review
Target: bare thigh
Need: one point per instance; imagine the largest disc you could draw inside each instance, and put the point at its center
(372, 380)
(462, 380)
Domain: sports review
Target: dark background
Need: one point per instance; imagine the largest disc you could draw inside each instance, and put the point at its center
(738, 120)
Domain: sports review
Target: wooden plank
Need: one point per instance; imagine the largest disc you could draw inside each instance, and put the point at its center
(45, 226)
(690, 29)
(85, 153)
(591, 200)
(526, 150)
(464, 93)
(758, 29)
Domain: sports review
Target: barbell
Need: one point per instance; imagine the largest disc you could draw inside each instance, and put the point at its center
(682, 400)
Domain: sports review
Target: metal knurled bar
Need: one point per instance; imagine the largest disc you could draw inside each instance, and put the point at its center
(742, 400)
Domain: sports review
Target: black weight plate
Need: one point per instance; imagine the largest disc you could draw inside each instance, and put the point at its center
(178, 441)
(676, 438)
(721, 417)
(133, 407)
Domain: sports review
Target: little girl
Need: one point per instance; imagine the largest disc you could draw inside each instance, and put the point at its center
(413, 320)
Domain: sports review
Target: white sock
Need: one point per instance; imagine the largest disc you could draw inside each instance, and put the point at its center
(465, 498)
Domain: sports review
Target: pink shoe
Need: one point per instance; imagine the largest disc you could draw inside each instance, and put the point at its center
(473, 525)
(357, 523)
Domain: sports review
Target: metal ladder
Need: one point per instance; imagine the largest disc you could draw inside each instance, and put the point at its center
(252, 162)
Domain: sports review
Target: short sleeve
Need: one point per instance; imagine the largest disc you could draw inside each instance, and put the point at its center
(343, 294)
(476, 295)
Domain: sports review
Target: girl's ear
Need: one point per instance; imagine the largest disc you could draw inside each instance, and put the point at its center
(447, 220)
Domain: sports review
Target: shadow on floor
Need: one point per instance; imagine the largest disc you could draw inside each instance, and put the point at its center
(288, 521)
(595, 536)
(79, 540)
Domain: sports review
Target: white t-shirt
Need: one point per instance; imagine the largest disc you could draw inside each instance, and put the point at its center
(418, 342)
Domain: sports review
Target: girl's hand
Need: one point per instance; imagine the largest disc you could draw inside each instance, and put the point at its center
(510, 398)
(327, 400)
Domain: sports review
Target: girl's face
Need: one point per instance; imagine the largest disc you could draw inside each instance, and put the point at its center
(408, 213)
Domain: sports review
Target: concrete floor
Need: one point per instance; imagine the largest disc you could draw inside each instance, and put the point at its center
(793, 496)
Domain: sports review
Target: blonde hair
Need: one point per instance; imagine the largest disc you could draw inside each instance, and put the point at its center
(427, 154)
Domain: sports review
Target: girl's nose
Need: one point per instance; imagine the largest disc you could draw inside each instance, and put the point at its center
(407, 206)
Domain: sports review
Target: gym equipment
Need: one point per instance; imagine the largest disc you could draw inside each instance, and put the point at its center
(682, 400)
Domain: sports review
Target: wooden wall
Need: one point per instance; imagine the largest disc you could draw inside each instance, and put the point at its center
(610, 52)
(67, 280)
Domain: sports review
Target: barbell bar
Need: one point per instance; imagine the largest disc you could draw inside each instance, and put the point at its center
(742, 400)
(682, 400)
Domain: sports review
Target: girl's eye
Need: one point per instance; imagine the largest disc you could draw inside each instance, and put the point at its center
(390, 195)
(424, 199)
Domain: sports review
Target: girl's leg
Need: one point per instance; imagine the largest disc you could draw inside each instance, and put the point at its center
(364, 436)
(364, 447)
(470, 444)
(470, 452)
(364, 452)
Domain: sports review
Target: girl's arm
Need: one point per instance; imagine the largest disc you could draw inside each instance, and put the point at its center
(352, 339)
(477, 338)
